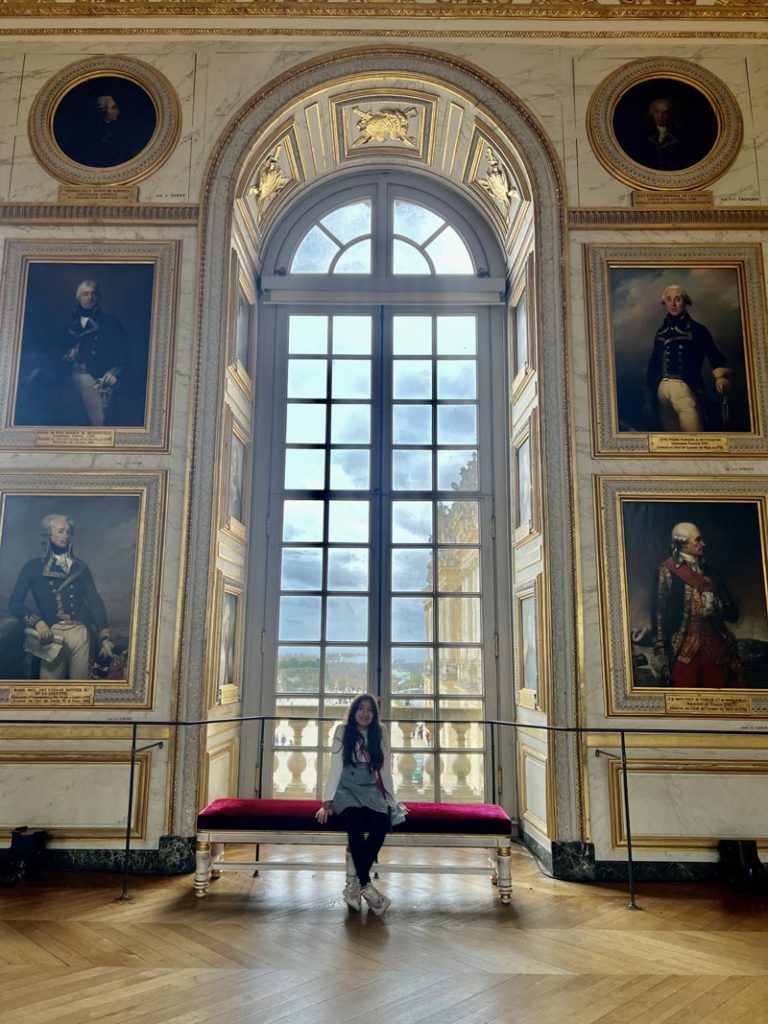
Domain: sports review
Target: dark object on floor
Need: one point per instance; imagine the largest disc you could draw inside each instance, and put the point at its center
(741, 867)
(25, 857)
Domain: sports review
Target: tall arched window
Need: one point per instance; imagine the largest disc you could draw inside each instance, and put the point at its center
(379, 476)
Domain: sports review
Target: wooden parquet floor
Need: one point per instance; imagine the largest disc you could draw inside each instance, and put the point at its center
(284, 948)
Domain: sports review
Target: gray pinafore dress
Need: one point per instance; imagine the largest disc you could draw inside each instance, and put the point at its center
(359, 788)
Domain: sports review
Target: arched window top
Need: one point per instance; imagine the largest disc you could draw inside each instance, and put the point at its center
(422, 241)
(383, 226)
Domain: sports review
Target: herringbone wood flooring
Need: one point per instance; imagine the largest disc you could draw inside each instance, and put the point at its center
(284, 948)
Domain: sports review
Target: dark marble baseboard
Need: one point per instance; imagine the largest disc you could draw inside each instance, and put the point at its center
(174, 856)
(575, 862)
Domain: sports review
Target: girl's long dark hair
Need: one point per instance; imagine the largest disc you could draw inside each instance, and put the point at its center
(352, 733)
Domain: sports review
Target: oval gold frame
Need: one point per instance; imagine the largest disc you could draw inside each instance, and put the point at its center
(156, 151)
(611, 155)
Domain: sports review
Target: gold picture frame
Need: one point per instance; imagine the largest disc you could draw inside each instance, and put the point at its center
(647, 633)
(109, 584)
(701, 136)
(235, 482)
(526, 507)
(522, 331)
(530, 661)
(722, 286)
(82, 141)
(225, 661)
(54, 394)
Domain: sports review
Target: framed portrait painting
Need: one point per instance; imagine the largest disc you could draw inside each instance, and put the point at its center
(527, 513)
(79, 571)
(682, 580)
(225, 664)
(528, 644)
(87, 338)
(662, 123)
(676, 368)
(522, 351)
(235, 482)
(104, 121)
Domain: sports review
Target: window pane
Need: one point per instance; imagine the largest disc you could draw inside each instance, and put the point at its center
(302, 520)
(456, 335)
(356, 260)
(410, 730)
(458, 570)
(458, 522)
(412, 424)
(415, 222)
(298, 669)
(411, 619)
(412, 569)
(412, 671)
(449, 253)
(459, 620)
(307, 378)
(457, 470)
(412, 378)
(314, 254)
(412, 521)
(351, 378)
(456, 378)
(465, 731)
(348, 522)
(351, 424)
(411, 470)
(346, 669)
(406, 259)
(347, 618)
(412, 335)
(307, 335)
(461, 778)
(300, 618)
(293, 732)
(352, 335)
(304, 469)
(305, 424)
(348, 569)
(302, 569)
(456, 424)
(461, 670)
(350, 221)
(295, 775)
(350, 470)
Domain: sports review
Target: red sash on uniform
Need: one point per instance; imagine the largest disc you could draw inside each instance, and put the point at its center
(690, 577)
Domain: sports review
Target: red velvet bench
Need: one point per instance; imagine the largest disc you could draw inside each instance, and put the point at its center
(484, 826)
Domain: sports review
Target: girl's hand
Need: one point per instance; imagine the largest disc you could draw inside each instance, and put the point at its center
(324, 812)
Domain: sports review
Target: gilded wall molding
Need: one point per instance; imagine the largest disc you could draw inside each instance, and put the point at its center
(753, 218)
(98, 213)
(440, 9)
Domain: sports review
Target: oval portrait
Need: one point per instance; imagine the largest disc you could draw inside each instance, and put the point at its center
(664, 124)
(104, 121)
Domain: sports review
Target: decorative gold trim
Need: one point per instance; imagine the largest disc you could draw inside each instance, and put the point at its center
(502, 192)
(98, 213)
(589, 10)
(152, 156)
(677, 766)
(524, 287)
(609, 152)
(526, 753)
(679, 741)
(747, 218)
(49, 731)
(382, 116)
(97, 759)
(228, 525)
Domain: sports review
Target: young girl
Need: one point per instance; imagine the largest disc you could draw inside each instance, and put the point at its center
(360, 790)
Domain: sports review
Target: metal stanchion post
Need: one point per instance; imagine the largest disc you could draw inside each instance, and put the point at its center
(628, 828)
(124, 897)
(493, 764)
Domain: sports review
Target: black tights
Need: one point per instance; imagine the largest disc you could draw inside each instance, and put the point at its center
(357, 821)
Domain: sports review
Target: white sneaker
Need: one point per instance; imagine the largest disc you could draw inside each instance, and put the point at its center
(352, 895)
(377, 901)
